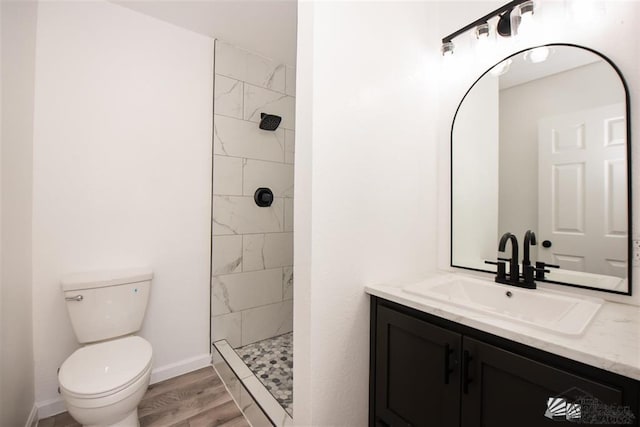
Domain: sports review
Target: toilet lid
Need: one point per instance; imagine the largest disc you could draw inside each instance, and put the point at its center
(107, 366)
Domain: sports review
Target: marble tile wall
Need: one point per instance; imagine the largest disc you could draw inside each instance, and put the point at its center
(252, 285)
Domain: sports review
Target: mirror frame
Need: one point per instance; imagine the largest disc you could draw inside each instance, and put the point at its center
(628, 151)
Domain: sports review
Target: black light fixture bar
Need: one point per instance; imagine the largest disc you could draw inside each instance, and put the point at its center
(507, 7)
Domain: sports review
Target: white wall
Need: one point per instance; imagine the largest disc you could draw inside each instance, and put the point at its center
(475, 154)
(366, 187)
(16, 344)
(604, 35)
(121, 175)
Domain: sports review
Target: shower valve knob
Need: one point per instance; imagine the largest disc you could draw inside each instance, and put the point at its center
(263, 197)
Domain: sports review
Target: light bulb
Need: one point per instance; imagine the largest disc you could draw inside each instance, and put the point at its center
(526, 19)
(501, 68)
(482, 39)
(482, 31)
(536, 55)
(447, 48)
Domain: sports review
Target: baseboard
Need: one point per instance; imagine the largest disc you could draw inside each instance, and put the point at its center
(32, 421)
(171, 370)
(49, 408)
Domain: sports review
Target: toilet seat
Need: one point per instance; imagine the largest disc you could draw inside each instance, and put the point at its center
(102, 369)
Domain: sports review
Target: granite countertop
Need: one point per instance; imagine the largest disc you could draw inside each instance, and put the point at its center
(610, 342)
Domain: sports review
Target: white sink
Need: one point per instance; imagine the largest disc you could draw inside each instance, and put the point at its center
(541, 308)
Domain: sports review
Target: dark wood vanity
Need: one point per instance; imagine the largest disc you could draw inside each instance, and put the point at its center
(429, 371)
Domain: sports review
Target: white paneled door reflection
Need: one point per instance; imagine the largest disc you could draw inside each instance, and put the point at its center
(582, 190)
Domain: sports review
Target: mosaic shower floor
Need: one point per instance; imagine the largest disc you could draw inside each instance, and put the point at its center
(271, 361)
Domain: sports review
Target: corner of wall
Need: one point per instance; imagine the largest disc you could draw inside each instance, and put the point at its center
(18, 33)
(32, 421)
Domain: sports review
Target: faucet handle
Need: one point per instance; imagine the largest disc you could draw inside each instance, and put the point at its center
(544, 265)
(541, 269)
(502, 268)
(527, 273)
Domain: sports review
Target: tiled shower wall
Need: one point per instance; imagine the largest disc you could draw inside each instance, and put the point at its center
(252, 286)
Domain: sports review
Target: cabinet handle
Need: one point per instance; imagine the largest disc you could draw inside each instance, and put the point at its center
(448, 351)
(466, 360)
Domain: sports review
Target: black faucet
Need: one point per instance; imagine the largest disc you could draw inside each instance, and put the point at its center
(514, 268)
(529, 240)
(527, 268)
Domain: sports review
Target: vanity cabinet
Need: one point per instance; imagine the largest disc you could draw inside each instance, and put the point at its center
(428, 371)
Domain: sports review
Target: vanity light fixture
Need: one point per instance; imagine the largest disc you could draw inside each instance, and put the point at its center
(506, 26)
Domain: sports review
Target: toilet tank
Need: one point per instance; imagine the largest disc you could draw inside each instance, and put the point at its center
(106, 304)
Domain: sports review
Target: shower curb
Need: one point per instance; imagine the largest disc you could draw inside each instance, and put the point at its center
(252, 397)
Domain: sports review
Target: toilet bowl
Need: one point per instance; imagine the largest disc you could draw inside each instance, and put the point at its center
(103, 382)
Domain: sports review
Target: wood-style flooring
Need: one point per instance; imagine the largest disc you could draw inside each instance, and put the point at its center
(196, 399)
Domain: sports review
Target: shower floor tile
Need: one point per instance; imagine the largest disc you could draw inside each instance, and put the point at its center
(271, 361)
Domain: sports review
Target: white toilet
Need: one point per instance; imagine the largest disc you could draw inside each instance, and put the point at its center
(103, 382)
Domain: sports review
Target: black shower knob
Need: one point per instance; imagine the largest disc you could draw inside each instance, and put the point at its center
(263, 197)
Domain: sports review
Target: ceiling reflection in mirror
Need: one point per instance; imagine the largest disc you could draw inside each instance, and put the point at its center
(540, 142)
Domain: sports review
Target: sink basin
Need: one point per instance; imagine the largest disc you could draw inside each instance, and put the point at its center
(541, 308)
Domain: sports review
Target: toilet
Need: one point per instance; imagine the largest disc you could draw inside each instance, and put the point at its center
(103, 382)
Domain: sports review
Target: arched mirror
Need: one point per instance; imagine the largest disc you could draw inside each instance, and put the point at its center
(541, 142)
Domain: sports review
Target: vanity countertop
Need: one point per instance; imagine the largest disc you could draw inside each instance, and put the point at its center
(610, 342)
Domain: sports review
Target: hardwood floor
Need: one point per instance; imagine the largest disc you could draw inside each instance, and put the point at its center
(196, 399)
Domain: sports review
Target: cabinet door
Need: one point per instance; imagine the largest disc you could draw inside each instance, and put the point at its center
(500, 388)
(417, 374)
